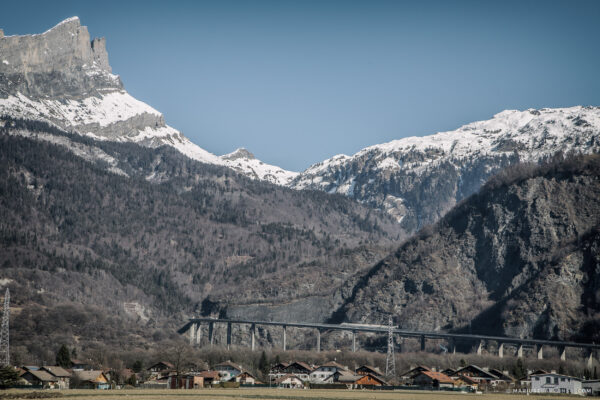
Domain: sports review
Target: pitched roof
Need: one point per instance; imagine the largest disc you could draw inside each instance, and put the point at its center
(88, 375)
(371, 369)
(57, 371)
(333, 364)
(301, 364)
(349, 377)
(501, 375)
(375, 377)
(474, 367)
(230, 364)
(210, 374)
(165, 363)
(437, 376)
(415, 370)
(286, 376)
(43, 375)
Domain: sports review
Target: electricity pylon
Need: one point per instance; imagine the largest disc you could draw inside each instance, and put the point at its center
(4, 342)
(390, 362)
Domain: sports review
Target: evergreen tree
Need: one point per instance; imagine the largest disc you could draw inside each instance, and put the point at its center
(263, 364)
(137, 366)
(8, 377)
(519, 369)
(63, 357)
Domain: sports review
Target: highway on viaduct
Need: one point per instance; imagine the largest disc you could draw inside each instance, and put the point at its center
(193, 328)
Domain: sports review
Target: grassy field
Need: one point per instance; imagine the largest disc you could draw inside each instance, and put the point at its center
(286, 394)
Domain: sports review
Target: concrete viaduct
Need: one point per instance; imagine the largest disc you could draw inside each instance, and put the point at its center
(193, 329)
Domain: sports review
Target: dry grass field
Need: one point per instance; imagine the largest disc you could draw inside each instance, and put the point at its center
(288, 394)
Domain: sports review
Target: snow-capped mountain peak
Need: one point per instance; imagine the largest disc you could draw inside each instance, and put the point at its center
(62, 77)
(417, 179)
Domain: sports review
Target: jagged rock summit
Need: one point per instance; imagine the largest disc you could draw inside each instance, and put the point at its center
(63, 77)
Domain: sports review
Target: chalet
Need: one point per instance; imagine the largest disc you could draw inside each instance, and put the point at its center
(40, 378)
(210, 377)
(433, 379)
(161, 368)
(321, 373)
(502, 377)
(367, 369)
(465, 382)
(551, 382)
(479, 375)
(369, 380)
(277, 371)
(299, 369)
(245, 378)
(228, 370)
(289, 381)
(347, 378)
(90, 380)
(449, 371)
(63, 376)
(185, 381)
(409, 375)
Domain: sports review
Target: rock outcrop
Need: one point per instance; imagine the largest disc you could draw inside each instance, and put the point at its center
(63, 77)
(519, 258)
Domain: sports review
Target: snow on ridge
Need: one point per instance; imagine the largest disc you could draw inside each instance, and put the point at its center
(478, 136)
(257, 169)
(104, 110)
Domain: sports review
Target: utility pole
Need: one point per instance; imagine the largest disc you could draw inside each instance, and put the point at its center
(390, 362)
(4, 342)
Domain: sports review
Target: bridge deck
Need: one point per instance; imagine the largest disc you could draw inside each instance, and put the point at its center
(399, 332)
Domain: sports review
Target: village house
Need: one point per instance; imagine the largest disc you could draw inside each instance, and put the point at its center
(408, 376)
(289, 381)
(39, 378)
(465, 382)
(591, 387)
(433, 379)
(551, 382)
(477, 374)
(369, 380)
(161, 368)
(299, 369)
(277, 371)
(90, 380)
(245, 378)
(503, 379)
(210, 377)
(228, 370)
(322, 373)
(185, 381)
(62, 375)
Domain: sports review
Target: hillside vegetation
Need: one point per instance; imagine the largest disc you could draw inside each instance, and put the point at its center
(520, 258)
(119, 243)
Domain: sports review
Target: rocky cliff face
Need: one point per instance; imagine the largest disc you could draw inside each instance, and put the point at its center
(60, 76)
(61, 62)
(418, 179)
(519, 258)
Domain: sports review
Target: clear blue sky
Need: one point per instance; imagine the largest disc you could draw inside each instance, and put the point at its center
(296, 82)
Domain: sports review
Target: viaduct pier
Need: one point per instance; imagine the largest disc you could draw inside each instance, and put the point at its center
(192, 328)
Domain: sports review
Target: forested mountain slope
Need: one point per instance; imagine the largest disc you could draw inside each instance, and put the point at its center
(153, 236)
(520, 258)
